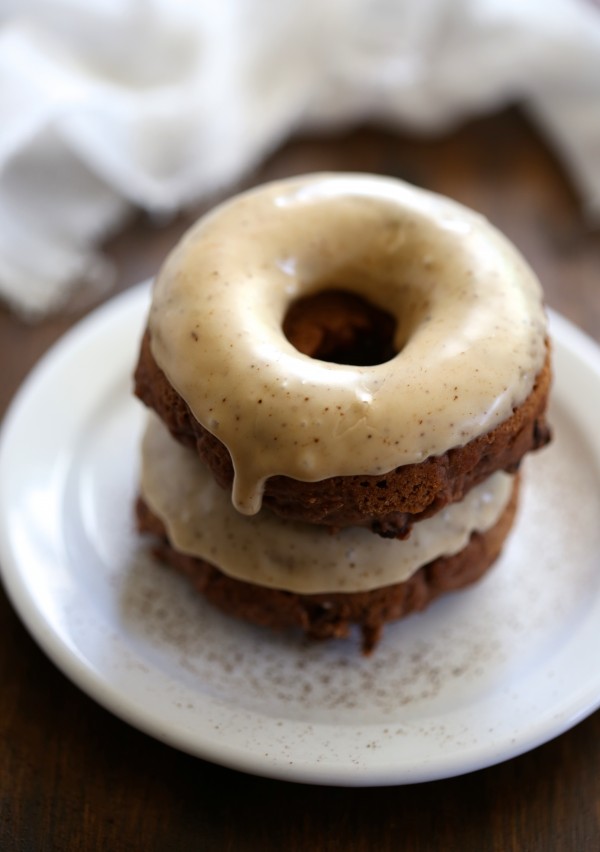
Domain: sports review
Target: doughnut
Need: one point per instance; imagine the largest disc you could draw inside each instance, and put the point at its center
(281, 574)
(450, 386)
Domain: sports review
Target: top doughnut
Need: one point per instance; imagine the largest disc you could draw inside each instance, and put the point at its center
(470, 335)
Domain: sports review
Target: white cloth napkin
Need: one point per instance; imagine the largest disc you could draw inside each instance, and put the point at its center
(106, 104)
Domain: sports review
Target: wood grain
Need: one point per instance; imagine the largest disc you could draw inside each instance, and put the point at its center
(74, 777)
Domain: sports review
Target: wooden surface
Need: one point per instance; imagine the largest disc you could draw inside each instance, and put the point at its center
(74, 777)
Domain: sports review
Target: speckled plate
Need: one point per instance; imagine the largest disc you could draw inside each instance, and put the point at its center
(482, 676)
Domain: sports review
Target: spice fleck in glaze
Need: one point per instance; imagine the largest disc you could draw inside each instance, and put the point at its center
(470, 333)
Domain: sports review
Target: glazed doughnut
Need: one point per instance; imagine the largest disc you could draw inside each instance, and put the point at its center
(296, 557)
(280, 574)
(462, 395)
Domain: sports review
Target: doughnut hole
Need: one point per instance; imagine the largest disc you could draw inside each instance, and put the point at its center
(341, 327)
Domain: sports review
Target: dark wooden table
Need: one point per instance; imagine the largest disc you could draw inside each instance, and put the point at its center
(74, 777)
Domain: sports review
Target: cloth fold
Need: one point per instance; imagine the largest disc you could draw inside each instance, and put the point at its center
(109, 104)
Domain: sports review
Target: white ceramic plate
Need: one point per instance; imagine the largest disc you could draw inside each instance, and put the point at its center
(482, 676)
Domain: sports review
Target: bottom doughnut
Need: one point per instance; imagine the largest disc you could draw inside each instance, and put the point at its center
(331, 615)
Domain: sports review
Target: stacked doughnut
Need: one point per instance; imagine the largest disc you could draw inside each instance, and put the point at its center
(344, 373)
